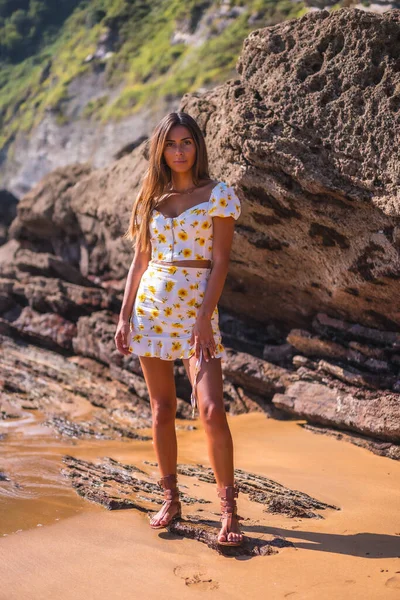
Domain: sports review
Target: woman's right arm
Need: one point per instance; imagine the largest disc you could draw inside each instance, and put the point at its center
(137, 268)
(139, 265)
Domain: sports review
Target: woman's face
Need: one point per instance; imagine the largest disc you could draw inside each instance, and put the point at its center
(179, 149)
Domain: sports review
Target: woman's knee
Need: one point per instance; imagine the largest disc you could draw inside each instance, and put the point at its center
(214, 414)
(163, 411)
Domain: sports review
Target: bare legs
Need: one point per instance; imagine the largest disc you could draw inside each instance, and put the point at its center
(219, 438)
(161, 385)
(160, 382)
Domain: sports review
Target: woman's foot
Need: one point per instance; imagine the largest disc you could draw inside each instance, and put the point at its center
(230, 531)
(165, 514)
(171, 508)
(230, 534)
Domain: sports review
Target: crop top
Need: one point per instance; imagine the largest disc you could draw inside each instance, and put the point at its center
(189, 235)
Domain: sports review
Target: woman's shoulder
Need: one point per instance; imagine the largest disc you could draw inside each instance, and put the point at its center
(224, 202)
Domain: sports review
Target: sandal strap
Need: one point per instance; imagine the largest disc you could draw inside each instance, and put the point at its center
(227, 495)
(169, 486)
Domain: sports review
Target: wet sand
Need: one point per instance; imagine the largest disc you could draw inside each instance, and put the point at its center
(54, 544)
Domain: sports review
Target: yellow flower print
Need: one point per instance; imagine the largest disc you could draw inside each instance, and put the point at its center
(160, 255)
(177, 325)
(141, 326)
(209, 248)
(212, 210)
(137, 337)
(194, 224)
(187, 252)
(170, 246)
(164, 300)
(142, 297)
(155, 230)
(168, 311)
(152, 289)
(169, 356)
(182, 235)
(174, 334)
(169, 285)
(176, 345)
(219, 348)
(205, 225)
(182, 222)
(140, 311)
(199, 256)
(191, 302)
(177, 305)
(157, 328)
(172, 269)
(191, 313)
(159, 344)
(130, 349)
(147, 354)
(174, 222)
(182, 293)
(201, 294)
(185, 271)
(155, 312)
(194, 286)
(201, 241)
(167, 227)
(223, 202)
(161, 238)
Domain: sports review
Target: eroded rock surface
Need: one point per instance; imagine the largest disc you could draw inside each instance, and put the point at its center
(117, 486)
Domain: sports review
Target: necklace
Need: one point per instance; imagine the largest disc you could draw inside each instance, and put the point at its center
(188, 191)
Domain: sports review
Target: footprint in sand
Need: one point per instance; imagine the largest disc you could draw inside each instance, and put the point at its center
(393, 582)
(195, 577)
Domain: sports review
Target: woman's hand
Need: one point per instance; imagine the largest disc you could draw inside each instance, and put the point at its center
(202, 336)
(121, 336)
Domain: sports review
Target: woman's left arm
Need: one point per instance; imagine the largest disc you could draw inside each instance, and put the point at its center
(223, 230)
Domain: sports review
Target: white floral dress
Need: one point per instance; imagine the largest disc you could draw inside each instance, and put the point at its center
(168, 296)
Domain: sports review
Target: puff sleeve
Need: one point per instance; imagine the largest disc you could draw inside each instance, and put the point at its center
(224, 202)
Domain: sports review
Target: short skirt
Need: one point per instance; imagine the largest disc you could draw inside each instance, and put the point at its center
(165, 311)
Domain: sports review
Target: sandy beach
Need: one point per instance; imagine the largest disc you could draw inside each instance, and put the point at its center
(55, 544)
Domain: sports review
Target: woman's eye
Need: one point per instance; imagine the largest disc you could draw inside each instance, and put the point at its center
(168, 144)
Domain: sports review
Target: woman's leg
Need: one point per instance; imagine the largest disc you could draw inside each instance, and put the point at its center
(213, 416)
(159, 377)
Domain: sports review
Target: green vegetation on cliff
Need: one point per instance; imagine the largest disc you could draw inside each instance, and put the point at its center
(143, 49)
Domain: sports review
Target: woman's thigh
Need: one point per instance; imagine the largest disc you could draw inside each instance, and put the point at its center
(209, 388)
(160, 381)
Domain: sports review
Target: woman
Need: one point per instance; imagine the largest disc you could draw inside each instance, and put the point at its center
(183, 222)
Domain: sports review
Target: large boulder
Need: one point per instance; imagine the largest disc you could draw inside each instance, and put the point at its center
(306, 134)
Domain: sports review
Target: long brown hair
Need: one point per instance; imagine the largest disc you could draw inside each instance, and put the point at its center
(158, 174)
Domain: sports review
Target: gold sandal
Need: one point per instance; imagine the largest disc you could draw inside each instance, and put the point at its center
(171, 496)
(229, 510)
